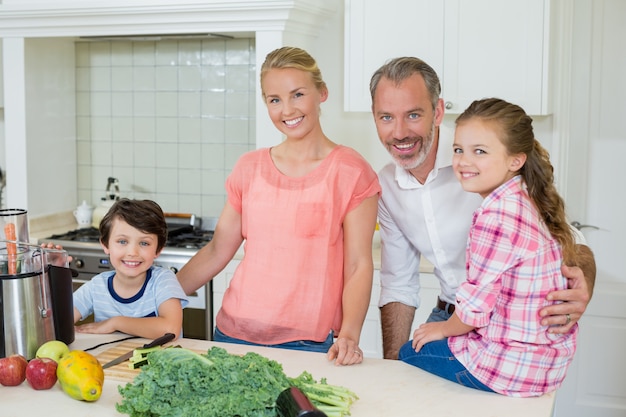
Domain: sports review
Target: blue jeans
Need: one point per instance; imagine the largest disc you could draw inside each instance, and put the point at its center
(307, 345)
(438, 315)
(436, 358)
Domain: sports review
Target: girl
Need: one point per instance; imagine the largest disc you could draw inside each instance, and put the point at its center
(518, 240)
(306, 210)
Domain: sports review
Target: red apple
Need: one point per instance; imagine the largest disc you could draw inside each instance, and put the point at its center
(13, 370)
(41, 373)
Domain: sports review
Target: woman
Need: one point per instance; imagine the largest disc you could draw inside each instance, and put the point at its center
(306, 210)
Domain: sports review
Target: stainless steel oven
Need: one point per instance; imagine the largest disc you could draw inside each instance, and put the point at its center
(89, 259)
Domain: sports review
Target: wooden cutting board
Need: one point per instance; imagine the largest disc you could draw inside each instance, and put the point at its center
(121, 371)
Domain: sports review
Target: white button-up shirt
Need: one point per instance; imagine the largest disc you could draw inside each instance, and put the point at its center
(431, 220)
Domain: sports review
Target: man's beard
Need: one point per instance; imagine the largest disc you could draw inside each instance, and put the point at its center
(415, 161)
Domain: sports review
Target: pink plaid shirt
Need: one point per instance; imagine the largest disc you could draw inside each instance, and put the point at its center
(512, 263)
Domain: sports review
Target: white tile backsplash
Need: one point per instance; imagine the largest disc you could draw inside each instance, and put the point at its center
(100, 78)
(167, 130)
(144, 78)
(166, 53)
(166, 78)
(122, 79)
(144, 104)
(167, 118)
(167, 104)
(189, 130)
(100, 129)
(144, 155)
(121, 105)
(214, 130)
(190, 104)
(167, 155)
(213, 157)
(101, 103)
(123, 155)
(144, 54)
(143, 129)
(121, 54)
(189, 52)
(190, 156)
(190, 78)
(122, 126)
(167, 180)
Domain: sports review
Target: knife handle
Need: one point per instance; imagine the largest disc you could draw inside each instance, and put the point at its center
(160, 340)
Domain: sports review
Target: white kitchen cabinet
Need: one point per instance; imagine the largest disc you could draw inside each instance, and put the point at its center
(376, 31)
(371, 336)
(220, 283)
(1, 78)
(479, 48)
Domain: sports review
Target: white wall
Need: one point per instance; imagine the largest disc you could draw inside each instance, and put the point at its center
(50, 125)
(2, 152)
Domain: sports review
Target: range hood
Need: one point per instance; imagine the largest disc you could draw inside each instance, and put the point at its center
(156, 37)
(43, 18)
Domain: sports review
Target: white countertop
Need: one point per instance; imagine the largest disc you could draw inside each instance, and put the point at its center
(385, 388)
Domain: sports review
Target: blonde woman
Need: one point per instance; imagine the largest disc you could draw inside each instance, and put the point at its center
(306, 211)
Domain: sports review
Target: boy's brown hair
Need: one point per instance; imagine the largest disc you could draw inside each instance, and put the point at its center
(144, 215)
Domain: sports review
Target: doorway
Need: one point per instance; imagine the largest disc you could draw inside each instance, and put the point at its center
(593, 147)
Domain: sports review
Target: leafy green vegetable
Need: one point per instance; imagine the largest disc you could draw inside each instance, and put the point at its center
(333, 400)
(180, 382)
(140, 357)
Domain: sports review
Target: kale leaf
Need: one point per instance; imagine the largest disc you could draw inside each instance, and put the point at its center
(180, 382)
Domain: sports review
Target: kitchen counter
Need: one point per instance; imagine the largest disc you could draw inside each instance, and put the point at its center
(385, 388)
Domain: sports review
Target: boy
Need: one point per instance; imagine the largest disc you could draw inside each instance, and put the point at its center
(136, 298)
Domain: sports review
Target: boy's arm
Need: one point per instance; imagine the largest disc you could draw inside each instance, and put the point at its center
(214, 256)
(170, 320)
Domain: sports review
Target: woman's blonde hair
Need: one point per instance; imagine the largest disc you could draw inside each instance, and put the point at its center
(292, 57)
(516, 134)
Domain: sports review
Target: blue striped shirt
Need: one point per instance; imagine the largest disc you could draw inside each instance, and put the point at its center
(98, 296)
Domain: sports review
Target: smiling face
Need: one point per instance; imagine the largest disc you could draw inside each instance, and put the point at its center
(481, 161)
(406, 121)
(293, 101)
(132, 251)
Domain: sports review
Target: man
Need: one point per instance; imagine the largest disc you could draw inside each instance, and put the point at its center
(424, 211)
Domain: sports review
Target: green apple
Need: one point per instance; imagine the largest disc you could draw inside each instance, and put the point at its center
(54, 349)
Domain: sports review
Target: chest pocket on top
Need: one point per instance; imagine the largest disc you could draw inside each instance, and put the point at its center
(312, 220)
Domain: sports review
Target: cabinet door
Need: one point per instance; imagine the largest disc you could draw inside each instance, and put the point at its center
(220, 283)
(1, 77)
(376, 31)
(496, 49)
(371, 335)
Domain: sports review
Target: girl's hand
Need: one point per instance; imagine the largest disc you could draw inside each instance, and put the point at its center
(427, 332)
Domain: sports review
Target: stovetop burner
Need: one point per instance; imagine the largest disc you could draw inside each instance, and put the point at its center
(182, 237)
(191, 239)
(88, 234)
